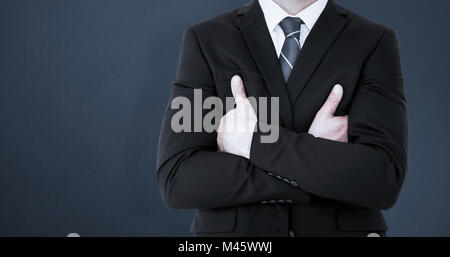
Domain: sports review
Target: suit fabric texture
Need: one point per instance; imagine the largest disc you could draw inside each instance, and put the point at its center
(299, 185)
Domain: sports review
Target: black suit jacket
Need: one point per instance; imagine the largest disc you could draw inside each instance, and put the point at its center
(300, 184)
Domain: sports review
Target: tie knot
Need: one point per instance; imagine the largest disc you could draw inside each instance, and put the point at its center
(291, 26)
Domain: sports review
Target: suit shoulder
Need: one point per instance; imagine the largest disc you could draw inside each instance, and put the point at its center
(364, 31)
(361, 23)
(217, 25)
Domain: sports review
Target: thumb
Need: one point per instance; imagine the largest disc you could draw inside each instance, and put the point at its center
(333, 100)
(238, 90)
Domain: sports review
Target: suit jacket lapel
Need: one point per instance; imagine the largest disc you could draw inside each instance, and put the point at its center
(253, 28)
(325, 31)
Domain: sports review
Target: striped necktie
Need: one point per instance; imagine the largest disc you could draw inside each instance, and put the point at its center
(291, 47)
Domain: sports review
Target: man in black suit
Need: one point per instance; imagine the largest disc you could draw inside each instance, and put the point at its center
(339, 157)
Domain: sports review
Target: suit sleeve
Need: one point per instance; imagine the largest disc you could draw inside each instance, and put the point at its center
(370, 169)
(192, 174)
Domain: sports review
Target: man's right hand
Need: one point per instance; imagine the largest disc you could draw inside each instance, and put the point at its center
(325, 124)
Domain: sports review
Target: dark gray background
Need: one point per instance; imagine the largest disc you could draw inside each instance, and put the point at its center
(83, 86)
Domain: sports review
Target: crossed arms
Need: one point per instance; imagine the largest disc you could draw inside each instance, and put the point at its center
(366, 171)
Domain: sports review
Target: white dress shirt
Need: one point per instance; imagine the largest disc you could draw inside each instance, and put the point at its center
(274, 14)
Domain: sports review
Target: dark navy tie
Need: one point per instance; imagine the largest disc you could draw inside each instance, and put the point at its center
(291, 47)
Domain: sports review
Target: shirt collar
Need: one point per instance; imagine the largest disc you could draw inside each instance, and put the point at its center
(274, 14)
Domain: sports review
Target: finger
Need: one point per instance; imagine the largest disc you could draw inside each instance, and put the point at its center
(238, 90)
(221, 127)
(342, 118)
(331, 104)
(345, 129)
(220, 141)
(343, 121)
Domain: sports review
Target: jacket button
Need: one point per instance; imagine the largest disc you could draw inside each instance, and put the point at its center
(273, 201)
(281, 201)
(289, 201)
(286, 180)
(373, 235)
(264, 202)
(270, 173)
(294, 183)
(291, 233)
